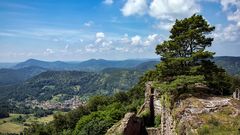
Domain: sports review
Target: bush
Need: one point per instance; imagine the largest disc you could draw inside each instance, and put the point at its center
(157, 121)
(97, 101)
(204, 130)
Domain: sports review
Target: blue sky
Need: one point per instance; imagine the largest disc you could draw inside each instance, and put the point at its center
(75, 30)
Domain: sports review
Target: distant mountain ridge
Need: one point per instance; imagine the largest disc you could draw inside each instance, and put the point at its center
(89, 65)
(30, 68)
(13, 76)
(27, 69)
(56, 65)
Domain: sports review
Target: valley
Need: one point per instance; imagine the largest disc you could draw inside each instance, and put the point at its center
(63, 90)
(120, 67)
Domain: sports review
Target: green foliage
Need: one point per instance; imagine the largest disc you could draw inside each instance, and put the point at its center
(98, 122)
(52, 83)
(69, 120)
(19, 119)
(100, 113)
(185, 60)
(213, 121)
(4, 113)
(230, 64)
(145, 113)
(39, 112)
(38, 129)
(97, 101)
(157, 121)
(186, 47)
(180, 82)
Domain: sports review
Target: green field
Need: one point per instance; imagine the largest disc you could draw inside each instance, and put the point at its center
(15, 123)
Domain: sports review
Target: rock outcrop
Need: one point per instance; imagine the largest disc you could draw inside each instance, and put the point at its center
(129, 125)
(236, 94)
(185, 116)
(152, 101)
(191, 113)
(167, 121)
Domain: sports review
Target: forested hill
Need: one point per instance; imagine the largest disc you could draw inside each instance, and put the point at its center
(48, 84)
(30, 68)
(229, 63)
(13, 76)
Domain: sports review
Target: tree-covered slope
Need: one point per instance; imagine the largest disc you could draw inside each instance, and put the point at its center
(229, 63)
(13, 76)
(48, 84)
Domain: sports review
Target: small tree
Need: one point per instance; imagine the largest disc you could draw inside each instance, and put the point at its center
(185, 50)
(184, 54)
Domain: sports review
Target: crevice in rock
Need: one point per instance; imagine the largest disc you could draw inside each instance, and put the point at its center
(151, 107)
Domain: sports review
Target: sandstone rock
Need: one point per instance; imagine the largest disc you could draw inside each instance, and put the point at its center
(129, 125)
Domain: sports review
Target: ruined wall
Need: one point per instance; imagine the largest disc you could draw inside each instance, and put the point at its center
(134, 125)
(152, 100)
(167, 121)
(153, 131)
(236, 94)
(129, 125)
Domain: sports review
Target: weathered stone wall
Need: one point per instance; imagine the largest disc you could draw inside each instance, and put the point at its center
(236, 94)
(151, 92)
(167, 121)
(133, 125)
(129, 125)
(154, 131)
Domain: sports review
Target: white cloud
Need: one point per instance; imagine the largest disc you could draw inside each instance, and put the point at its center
(48, 51)
(134, 7)
(106, 43)
(88, 24)
(152, 40)
(230, 33)
(125, 39)
(164, 25)
(233, 15)
(227, 3)
(99, 37)
(172, 9)
(122, 49)
(108, 2)
(90, 48)
(136, 40)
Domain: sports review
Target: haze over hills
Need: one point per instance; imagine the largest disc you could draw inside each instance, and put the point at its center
(27, 69)
(229, 63)
(89, 65)
(118, 71)
(13, 76)
(42, 84)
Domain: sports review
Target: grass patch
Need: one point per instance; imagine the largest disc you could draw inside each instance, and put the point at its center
(13, 125)
(10, 127)
(45, 119)
(220, 123)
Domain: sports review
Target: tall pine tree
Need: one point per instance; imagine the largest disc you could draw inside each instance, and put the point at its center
(185, 54)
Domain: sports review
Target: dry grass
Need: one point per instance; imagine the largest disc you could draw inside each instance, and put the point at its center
(10, 127)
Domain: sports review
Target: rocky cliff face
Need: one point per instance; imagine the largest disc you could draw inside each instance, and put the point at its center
(189, 115)
(193, 114)
(129, 125)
